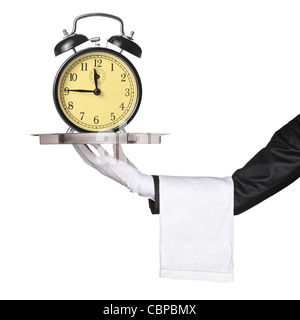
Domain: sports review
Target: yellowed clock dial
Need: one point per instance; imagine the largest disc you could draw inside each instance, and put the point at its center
(97, 90)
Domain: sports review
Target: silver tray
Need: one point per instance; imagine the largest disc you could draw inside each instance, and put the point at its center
(100, 138)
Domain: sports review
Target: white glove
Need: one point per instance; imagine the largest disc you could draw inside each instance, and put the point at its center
(118, 168)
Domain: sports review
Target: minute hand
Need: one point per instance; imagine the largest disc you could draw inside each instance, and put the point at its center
(80, 90)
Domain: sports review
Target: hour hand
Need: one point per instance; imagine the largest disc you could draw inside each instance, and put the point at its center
(96, 77)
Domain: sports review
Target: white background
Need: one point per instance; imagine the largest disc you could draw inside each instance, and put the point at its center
(220, 76)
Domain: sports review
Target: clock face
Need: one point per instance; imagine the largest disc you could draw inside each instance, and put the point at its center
(97, 90)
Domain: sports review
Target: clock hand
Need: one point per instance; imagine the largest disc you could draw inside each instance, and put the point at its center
(97, 91)
(80, 90)
(96, 78)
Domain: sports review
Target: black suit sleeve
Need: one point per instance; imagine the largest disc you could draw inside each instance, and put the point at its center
(271, 170)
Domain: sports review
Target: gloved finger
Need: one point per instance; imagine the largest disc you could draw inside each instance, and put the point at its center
(95, 145)
(107, 164)
(102, 152)
(86, 154)
(81, 154)
(120, 155)
(118, 152)
(105, 157)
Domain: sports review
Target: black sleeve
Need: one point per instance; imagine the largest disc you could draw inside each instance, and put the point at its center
(155, 205)
(271, 170)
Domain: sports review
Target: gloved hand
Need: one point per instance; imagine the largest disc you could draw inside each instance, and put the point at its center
(118, 168)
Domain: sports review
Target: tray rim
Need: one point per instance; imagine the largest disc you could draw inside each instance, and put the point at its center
(100, 138)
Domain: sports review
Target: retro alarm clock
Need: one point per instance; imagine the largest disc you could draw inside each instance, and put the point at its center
(97, 91)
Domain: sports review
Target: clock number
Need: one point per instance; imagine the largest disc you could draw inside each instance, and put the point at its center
(122, 106)
(127, 92)
(67, 91)
(112, 117)
(70, 105)
(82, 115)
(98, 63)
(73, 76)
(123, 76)
(84, 67)
(112, 67)
(96, 119)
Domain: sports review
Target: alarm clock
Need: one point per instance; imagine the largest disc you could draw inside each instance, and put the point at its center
(97, 89)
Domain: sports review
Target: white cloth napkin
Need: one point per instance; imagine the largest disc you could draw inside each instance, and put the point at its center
(196, 228)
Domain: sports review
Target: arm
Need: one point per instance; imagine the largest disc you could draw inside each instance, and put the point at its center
(271, 170)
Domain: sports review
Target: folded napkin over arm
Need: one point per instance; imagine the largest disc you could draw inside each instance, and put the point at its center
(196, 227)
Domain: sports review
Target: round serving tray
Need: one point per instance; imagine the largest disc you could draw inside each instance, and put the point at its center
(100, 138)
